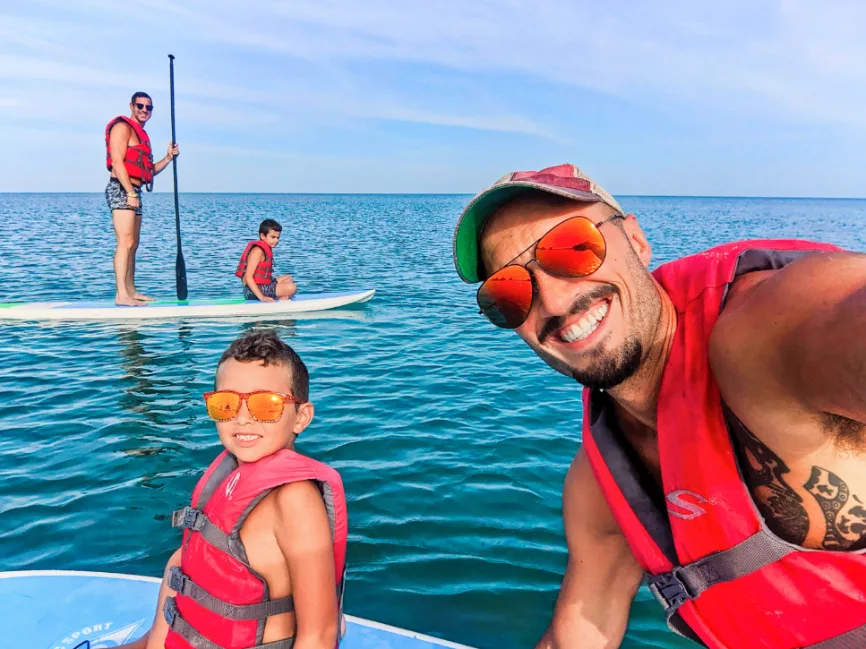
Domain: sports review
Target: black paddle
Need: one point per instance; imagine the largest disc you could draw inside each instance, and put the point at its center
(180, 265)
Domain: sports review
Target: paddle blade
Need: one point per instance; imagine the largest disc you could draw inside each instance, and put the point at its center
(180, 276)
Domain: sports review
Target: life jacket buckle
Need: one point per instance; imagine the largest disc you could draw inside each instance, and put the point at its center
(176, 579)
(669, 590)
(169, 610)
(188, 518)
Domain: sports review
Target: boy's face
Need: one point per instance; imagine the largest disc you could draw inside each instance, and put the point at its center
(244, 437)
(272, 238)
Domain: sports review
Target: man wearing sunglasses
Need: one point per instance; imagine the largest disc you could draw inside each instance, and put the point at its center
(129, 158)
(723, 433)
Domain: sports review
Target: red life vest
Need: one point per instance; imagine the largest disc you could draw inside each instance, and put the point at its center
(221, 602)
(139, 157)
(264, 273)
(724, 578)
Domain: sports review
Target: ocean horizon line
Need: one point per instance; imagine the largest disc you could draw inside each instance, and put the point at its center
(222, 193)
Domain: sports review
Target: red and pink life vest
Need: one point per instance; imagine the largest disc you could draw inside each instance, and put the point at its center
(221, 602)
(724, 578)
(139, 157)
(264, 272)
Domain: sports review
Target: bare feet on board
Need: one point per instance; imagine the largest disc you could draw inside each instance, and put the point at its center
(126, 300)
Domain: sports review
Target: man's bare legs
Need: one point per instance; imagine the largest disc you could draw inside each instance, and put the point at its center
(286, 287)
(127, 241)
(130, 273)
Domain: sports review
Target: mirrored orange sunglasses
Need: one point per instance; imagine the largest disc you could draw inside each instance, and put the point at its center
(264, 406)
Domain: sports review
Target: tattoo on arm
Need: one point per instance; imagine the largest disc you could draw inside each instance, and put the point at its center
(844, 513)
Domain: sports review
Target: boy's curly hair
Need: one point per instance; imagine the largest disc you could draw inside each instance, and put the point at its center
(266, 346)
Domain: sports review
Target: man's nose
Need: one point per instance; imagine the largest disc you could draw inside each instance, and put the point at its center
(555, 294)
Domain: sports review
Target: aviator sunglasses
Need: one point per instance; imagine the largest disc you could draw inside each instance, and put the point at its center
(571, 249)
(264, 406)
(147, 107)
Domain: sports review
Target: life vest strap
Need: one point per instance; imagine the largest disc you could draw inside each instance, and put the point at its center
(853, 639)
(193, 519)
(685, 583)
(183, 585)
(197, 640)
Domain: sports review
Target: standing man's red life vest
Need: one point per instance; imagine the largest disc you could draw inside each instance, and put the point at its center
(221, 602)
(264, 273)
(139, 157)
(724, 578)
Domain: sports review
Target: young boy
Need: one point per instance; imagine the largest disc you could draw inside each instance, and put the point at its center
(256, 268)
(263, 553)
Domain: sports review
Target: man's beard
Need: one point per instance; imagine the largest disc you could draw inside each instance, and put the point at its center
(609, 370)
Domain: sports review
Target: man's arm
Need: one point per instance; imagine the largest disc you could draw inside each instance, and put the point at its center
(602, 576)
(304, 536)
(159, 165)
(253, 259)
(797, 337)
(118, 142)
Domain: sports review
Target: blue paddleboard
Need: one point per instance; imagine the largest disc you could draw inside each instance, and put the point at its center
(56, 609)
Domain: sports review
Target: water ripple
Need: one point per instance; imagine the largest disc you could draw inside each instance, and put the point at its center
(451, 436)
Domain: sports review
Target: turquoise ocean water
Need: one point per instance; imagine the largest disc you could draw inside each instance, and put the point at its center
(452, 437)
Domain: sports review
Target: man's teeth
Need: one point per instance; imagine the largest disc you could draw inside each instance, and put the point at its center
(586, 325)
(247, 438)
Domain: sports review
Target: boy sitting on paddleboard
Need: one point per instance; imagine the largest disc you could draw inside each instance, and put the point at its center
(256, 268)
(264, 541)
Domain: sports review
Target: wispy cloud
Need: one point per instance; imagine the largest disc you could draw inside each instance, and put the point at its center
(542, 75)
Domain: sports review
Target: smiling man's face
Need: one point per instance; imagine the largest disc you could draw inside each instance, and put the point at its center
(141, 114)
(595, 328)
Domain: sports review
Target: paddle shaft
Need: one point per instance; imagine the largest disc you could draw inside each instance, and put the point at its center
(180, 265)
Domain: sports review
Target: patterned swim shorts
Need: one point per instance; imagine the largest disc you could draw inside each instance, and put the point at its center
(268, 290)
(115, 196)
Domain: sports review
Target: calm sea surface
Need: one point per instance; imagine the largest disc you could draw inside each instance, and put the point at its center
(452, 437)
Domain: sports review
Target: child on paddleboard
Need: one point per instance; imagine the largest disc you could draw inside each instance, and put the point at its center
(264, 542)
(256, 267)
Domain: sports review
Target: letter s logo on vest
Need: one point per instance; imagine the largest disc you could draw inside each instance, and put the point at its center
(685, 509)
(230, 487)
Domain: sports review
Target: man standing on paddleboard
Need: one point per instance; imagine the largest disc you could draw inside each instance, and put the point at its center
(724, 446)
(129, 158)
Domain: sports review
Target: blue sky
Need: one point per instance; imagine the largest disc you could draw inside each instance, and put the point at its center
(732, 98)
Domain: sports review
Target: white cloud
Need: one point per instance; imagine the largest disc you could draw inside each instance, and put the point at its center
(794, 59)
(788, 58)
(268, 72)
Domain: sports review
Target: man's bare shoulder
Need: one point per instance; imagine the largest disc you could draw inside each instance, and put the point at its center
(120, 129)
(766, 305)
(812, 279)
(770, 325)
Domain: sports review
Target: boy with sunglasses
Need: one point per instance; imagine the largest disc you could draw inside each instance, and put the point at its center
(264, 543)
(129, 158)
(723, 451)
(256, 267)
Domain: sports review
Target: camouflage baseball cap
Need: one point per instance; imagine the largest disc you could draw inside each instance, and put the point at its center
(563, 180)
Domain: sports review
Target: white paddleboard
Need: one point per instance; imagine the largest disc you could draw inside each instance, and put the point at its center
(58, 609)
(166, 309)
